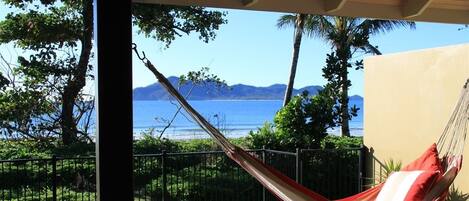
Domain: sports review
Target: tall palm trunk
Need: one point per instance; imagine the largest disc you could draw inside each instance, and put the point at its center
(299, 25)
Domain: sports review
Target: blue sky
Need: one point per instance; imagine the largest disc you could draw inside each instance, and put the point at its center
(249, 49)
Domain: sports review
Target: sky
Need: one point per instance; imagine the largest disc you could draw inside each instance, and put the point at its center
(251, 50)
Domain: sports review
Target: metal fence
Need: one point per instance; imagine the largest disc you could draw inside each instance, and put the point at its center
(48, 179)
(336, 173)
(198, 176)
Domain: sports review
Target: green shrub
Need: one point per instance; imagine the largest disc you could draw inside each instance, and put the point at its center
(264, 136)
(302, 123)
(31, 149)
(339, 142)
(75, 150)
(152, 145)
(195, 145)
(241, 142)
(24, 149)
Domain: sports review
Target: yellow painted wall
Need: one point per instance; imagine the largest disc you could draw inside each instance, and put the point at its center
(408, 100)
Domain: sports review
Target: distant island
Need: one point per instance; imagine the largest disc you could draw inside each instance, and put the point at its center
(210, 92)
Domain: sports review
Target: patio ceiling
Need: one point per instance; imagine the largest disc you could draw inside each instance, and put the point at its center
(446, 11)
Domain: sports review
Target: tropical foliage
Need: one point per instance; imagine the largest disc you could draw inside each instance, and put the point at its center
(347, 37)
(389, 167)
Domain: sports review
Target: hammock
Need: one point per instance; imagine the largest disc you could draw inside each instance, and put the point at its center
(450, 146)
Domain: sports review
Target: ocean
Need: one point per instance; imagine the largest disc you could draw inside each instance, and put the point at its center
(235, 118)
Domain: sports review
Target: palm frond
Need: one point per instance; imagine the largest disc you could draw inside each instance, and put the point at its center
(383, 26)
(318, 26)
(286, 21)
(389, 167)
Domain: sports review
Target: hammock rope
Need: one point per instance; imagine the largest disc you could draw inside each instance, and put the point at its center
(451, 144)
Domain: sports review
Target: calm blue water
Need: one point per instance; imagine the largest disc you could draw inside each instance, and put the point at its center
(235, 118)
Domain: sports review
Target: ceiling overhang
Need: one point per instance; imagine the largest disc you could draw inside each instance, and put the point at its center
(445, 11)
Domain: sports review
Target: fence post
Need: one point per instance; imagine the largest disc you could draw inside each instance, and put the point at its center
(163, 173)
(361, 166)
(263, 160)
(54, 178)
(297, 165)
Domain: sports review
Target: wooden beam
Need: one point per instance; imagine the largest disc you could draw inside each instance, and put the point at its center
(114, 161)
(249, 3)
(412, 8)
(333, 5)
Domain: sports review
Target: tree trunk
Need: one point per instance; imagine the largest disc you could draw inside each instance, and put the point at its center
(68, 124)
(299, 25)
(78, 79)
(345, 116)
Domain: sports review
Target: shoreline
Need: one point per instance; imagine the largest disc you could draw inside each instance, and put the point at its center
(197, 133)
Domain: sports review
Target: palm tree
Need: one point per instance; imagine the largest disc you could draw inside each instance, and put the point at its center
(299, 22)
(347, 36)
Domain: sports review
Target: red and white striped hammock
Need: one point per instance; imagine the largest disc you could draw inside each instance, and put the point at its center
(450, 146)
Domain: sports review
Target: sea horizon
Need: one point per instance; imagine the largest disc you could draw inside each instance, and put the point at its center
(235, 118)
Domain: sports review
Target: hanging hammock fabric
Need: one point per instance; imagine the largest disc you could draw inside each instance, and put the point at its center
(451, 145)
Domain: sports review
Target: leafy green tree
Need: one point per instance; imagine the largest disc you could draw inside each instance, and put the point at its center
(57, 36)
(165, 22)
(347, 36)
(303, 123)
(22, 113)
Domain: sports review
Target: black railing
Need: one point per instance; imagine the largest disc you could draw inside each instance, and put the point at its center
(377, 172)
(203, 176)
(48, 179)
(340, 172)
